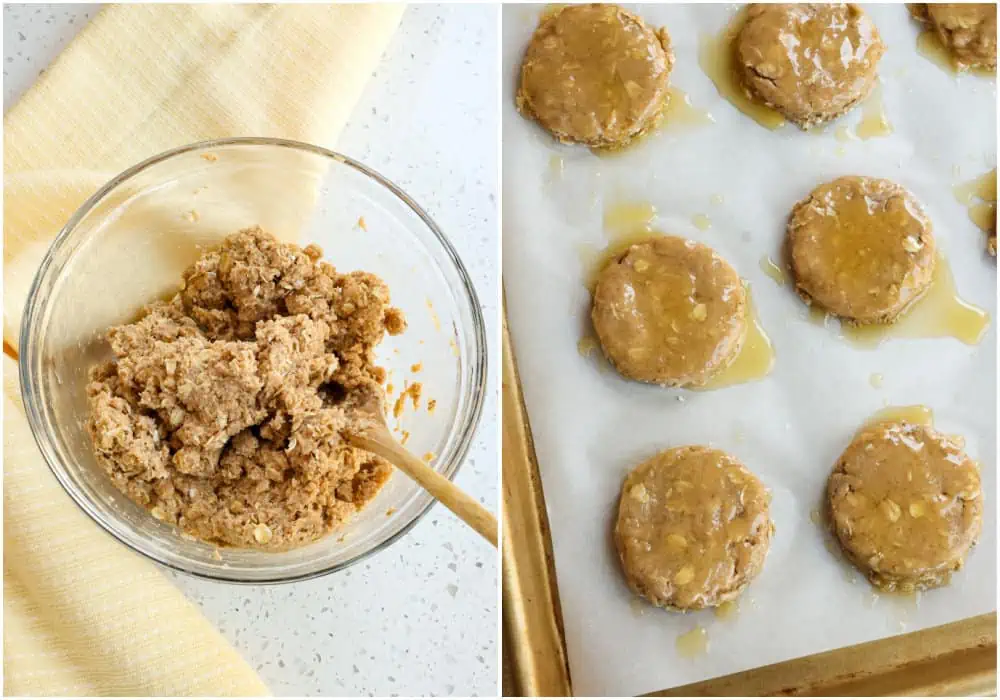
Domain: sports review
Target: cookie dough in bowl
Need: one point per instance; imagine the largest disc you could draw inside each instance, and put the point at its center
(669, 311)
(811, 62)
(861, 248)
(906, 505)
(222, 409)
(693, 528)
(967, 30)
(596, 75)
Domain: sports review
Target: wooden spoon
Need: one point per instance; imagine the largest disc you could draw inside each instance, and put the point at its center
(374, 436)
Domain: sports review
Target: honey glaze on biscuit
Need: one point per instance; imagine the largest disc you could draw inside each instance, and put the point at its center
(630, 223)
(906, 502)
(716, 56)
(861, 247)
(930, 47)
(595, 75)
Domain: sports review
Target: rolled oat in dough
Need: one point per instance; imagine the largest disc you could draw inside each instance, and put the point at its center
(595, 74)
(693, 528)
(670, 311)
(906, 505)
(222, 409)
(811, 62)
(861, 248)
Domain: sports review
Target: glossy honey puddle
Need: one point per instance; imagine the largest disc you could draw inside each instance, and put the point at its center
(874, 123)
(979, 196)
(586, 345)
(755, 359)
(940, 313)
(625, 224)
(694, 643)
(716, 57)
(681, 114)
(557, 166)
(728, 610)
(773, 270)
(678, 115)
(917, 414)
(701, 222)
(930, 47)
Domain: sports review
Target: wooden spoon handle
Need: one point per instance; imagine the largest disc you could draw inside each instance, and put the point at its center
(380, 441)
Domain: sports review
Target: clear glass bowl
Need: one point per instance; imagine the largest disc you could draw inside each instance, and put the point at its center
(129, 243)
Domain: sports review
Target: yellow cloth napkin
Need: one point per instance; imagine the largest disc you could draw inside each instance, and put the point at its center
(82, 614)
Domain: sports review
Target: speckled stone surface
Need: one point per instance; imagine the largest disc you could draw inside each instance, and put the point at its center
(420, 618)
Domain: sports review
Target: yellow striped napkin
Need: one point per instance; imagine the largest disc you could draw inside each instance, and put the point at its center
(82, 614)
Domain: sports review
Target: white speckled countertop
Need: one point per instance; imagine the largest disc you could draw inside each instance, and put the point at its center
(420, 618)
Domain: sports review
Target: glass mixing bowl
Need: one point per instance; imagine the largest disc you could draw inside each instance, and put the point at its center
(128, 245)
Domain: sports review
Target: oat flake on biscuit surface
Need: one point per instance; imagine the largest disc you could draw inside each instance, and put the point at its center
(906, 504)
(811, 62)
(861, 248)
(693, 528)
(222, 409)
(669, 311)
(595, 74)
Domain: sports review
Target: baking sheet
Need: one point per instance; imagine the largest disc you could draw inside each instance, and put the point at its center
(590, 426)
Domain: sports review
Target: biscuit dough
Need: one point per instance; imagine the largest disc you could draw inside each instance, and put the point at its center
(669, 311)
(968, 31)
(811, 62)
(693, 528)
(222, 409)
(906, 505)
(861, 248)
(595, 74)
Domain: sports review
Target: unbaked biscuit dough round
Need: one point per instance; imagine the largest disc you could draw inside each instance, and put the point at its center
(811, 62)
(693, 528)
(669, 311)
(967, 30)
(861, 248)
(906, 505)
(596, 75)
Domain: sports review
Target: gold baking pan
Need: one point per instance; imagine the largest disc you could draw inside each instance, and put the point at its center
(951, 660)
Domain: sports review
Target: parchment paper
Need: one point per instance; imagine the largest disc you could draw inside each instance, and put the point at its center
(590, 426)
